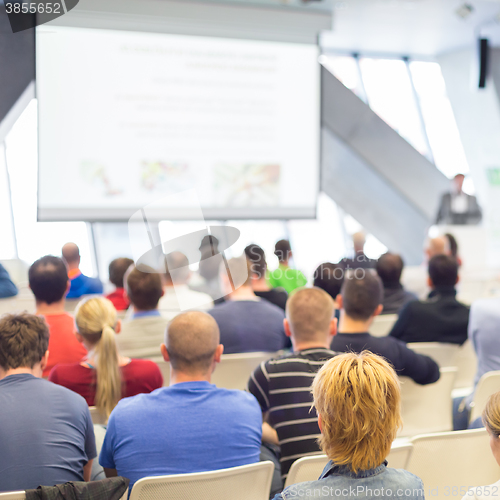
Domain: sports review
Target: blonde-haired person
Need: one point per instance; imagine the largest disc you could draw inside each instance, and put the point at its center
(357, 398)
(103, 377)
(491, 420)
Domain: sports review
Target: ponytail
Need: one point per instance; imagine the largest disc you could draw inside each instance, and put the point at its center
(95, 318)
(109, 383)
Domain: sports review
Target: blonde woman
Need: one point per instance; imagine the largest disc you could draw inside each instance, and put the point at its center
(357, 398)
(103, 377)
(491, 420)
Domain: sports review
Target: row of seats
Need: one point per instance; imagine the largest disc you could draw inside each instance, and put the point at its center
(446, 462)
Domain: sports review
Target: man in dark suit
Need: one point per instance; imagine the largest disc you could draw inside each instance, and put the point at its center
(440, 318)
(458, 207)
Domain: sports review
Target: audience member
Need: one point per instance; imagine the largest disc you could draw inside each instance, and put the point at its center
(117, 269)
(389, 268)
(208, 270)
(142, 334)
(7, 287)
(104, 377)
(191, 426)
(80, 284)
(247, 323)
(329, 277)
(281, 385)
(440, 318)
(453, 244)
(357, 399)
(360, 260)
(258, 270)
(361, 301)
(440, 245)
(46, 433)
(177, 295)
(48, 280)
(284, 276)
(491, 420)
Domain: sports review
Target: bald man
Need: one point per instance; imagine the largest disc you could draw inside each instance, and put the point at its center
(281, 385)
(80, 284)
(191, 426)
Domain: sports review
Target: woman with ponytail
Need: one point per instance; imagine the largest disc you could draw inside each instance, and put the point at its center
(103, 377)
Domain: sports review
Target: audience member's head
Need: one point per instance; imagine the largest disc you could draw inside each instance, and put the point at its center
(458, 183)
(283, 251)
(177, 270)
(329, 277)
(71, 255)
(357, 397)
(239, 271)
(361, 295)
(437, 246)
(310, 317)
(209, 267)
(48, 279)
(96, 324)
(390, 267)
(24, 340)
(358, 241)
(117, 269)
(258, 265)
(443, 271)
(491, 420)
(452, 244)
(144, 290)
(192, 344)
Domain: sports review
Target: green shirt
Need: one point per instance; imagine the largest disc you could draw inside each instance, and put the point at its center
(287, 278)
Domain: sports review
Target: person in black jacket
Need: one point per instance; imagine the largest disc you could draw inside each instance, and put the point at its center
(360, 301)
(440, 318)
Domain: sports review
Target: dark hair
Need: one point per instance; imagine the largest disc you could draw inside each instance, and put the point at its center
(329, 277)
(257, 258)
(282, 250)
(143, 289)
(117, 269)
(453, 244)
(443, 270)
(24, 340)
(48, 279)
(389, 267)
(362, 293)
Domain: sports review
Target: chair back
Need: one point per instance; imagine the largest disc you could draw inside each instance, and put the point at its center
(488, 384)
(97, 416)
(252, 482)
(466, 363)
(442, 353)
(232, 372)
(450, 463)
(427, 408)
(13, 495)
(382, 325)
(310, 468)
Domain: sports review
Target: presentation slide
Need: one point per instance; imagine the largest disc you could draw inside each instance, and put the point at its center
(127, 119)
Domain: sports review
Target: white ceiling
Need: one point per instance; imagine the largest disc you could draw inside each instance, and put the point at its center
(410, 27)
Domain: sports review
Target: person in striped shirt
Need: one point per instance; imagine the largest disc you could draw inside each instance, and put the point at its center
(282, 385)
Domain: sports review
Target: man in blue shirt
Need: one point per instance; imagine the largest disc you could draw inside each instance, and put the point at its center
(80, 284)
(191, 426)
(46, 433)
(7, 287)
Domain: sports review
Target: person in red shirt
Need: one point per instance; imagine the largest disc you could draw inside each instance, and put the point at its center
(48, 280)
(104, 377)
(117, 269)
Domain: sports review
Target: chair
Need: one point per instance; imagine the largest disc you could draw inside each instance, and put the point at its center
(13, 495)
(310, 468)
(252, 482)
(488, 384)
(97, 416)
(466, 363)
(449, 463)
(443, 354)
(232, 372)
(382, 325)
(427, 408)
